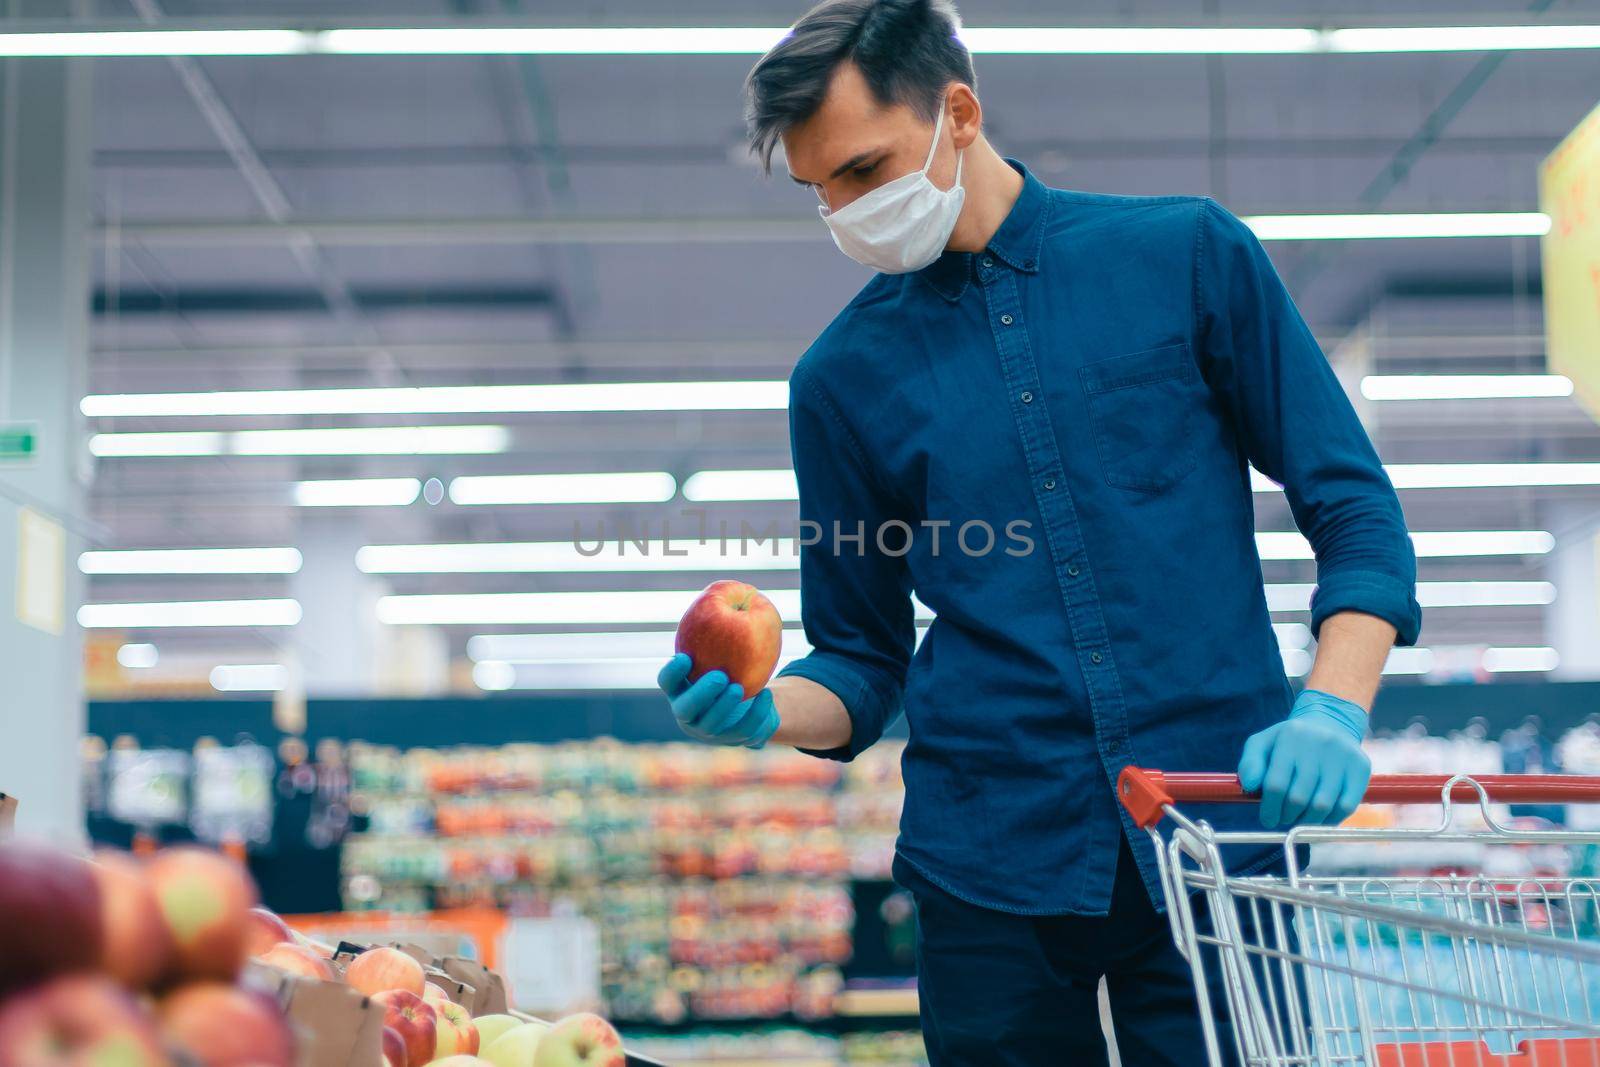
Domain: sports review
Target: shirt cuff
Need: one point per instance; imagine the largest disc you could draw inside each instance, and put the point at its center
(1394, 600)
(870, 701)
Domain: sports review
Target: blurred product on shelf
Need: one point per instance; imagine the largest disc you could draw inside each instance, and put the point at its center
(719, 878)
(787, 1047)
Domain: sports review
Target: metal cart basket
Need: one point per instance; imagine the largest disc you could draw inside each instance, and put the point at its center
(1441, 966)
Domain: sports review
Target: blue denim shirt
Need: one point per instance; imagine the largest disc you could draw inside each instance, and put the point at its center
(1092, 389)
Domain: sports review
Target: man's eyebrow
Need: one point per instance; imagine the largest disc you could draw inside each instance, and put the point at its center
(850, 164)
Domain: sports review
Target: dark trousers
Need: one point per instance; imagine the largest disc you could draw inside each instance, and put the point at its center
(1004, 990)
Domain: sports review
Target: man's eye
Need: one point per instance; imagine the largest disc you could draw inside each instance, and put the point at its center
(864, 171)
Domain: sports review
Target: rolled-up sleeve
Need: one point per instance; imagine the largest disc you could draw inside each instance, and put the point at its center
(855, 598)
(1299, 428)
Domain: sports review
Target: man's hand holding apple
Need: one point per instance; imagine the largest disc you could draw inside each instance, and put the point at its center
(713, 709)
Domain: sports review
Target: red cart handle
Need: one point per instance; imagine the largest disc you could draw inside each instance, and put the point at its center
(1146, 792)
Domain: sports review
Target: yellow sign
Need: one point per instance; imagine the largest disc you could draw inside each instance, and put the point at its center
(1569, 192)
(41, 572)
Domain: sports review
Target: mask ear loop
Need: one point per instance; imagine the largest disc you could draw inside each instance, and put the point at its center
(938, 125)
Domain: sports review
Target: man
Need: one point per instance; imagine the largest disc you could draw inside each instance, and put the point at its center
(1089, 377)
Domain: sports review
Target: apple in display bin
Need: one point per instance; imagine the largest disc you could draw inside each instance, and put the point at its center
(454, 1032)
(263, 930)
(224, 1026)
(379, 970)
(490, 1027)
(394, 1048)
(297, 959)
(205, 900)
(413, 1019)
(78, 1020)
(517, 1046)
(137, 946)
(582, 1040)
(49, 915)
(732, 627)
(433, 993)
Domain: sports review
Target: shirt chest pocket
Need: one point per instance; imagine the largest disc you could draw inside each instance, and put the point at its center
(1141, 410)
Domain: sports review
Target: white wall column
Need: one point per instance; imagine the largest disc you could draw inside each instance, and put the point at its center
(1573, 621)
(44, 316)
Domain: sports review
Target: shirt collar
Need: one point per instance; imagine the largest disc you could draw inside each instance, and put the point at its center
(1017, 242)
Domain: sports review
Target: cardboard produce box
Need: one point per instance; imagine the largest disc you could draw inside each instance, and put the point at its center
(335, 1025)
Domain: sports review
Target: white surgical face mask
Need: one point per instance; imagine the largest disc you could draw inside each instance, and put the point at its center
(903, 225)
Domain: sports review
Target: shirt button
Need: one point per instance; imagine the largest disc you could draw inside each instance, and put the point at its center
(1027, 398)
(1095, 657)
(1050, 483)
(1072, 570)
(1006, 320)
(987, 262)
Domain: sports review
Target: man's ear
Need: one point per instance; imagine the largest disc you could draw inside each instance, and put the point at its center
(966, 114)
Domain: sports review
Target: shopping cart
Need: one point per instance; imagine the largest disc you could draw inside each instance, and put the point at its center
(1442, 968)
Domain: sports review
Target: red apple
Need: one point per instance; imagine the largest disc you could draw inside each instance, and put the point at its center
(379, 970)
(263, 930)
(225, 1026)
(582, 1040)
(433, 992)
(205, 899)
(138, 948)
(394, 1048)
(49, 915)
(453, 1026)
(733, 628)
(413, 1019)
(78, 1020)
(297, 959)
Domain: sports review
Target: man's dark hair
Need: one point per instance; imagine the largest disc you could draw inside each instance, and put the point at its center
(907, 51)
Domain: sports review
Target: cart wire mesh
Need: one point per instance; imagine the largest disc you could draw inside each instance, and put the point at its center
(1453, 969)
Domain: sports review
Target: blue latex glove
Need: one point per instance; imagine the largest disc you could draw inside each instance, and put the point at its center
(714, 709)
(1310, 767)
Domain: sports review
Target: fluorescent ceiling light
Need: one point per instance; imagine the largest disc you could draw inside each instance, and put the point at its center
(158, 43)
(1284, 545)
(435, 400)
(608, 607)
(1469, 476)
(565, 556)
(1409, 661)
(1507, 660)
(754, 40)
(1296, 596)
(570, 609)
(741, 485)
(138, 656)
(1462, 38)
(249, 677)
(349, 441)
(567, 41)
(1464, 386)
(561, 647)
(1498, 475)
(201, 443)
(357, 493)
(1377, 225)
(192, 561)
(1112, 40)
(637, 487)
(205, 613)
(1296, 662)
(1292, 635)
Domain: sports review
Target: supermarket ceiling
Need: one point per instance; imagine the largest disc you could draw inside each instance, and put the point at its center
(318, 222)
